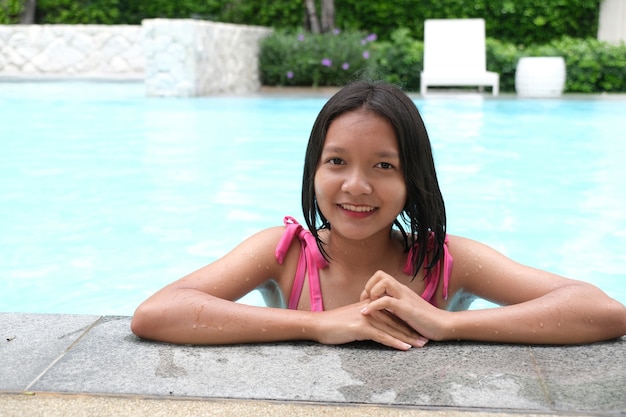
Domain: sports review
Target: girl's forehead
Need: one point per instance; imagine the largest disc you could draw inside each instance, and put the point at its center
(361, 131)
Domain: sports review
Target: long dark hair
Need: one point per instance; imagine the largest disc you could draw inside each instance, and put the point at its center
(424, 211)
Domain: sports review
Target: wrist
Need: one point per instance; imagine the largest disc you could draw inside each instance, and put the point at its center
(449, 329)
(309, 326)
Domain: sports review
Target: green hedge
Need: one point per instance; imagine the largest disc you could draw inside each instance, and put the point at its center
(301, 58)
(273, 13)
(522, 22)
(10, 11)
(592, 66)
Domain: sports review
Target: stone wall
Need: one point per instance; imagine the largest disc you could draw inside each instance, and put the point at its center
(173, 57)
(195, 58)
(96, 51)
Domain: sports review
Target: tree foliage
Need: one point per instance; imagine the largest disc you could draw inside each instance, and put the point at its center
(522, 22)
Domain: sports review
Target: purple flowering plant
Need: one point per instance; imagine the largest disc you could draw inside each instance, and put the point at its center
(307, 59)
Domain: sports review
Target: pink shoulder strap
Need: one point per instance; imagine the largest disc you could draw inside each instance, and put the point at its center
(443, 269)
(310, 260)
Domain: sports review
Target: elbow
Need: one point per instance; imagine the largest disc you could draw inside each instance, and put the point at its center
(143, 322)
(614, 321)
(622, 321)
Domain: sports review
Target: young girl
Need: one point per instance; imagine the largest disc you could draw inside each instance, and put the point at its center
(375, 262)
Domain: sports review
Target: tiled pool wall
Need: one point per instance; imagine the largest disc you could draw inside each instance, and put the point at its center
(174, 57)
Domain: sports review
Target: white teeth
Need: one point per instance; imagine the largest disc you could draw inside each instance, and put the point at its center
(358, 209)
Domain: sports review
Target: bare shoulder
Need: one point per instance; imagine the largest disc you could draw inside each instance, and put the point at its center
(259, 249)
(248, 265)
(485, 272)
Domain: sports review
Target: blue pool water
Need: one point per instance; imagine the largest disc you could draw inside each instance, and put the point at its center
(106, 196)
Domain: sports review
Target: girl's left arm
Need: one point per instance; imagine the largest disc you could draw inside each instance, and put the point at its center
(536, 306)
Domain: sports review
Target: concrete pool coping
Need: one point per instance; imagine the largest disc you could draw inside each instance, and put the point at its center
(75, 364)
(301, 91)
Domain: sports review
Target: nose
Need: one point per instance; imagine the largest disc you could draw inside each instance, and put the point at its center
(356, 183)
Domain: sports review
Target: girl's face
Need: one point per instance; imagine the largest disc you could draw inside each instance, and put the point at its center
(359, 182)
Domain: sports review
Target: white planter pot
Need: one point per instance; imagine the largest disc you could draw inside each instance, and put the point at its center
(540, 77)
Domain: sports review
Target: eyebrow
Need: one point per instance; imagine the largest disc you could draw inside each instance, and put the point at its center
(340, 150)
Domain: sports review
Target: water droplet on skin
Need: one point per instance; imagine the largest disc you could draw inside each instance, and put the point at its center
(540, 324)
(195, 326)
(220, 328)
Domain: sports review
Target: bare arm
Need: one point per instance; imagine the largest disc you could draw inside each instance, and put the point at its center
(198, 308)
(537, 307)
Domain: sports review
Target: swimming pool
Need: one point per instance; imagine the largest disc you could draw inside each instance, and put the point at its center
(106, 196)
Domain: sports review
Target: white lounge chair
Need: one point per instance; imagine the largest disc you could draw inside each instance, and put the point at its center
(455, 55)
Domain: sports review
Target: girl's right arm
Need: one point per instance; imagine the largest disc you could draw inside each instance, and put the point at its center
(199, 308)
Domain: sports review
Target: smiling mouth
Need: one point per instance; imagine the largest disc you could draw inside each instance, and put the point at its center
(357, 209)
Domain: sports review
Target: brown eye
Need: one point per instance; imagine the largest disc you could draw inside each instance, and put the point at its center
(384, 165)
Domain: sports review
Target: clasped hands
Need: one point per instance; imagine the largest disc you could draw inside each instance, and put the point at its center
(389, 313)
(399, 306)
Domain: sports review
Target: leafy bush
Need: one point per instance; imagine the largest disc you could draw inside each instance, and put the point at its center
(400, 60)
(10, 11)
(521, 22)
(78, 12)
(502, 58)
(304, 59)
(592, 65)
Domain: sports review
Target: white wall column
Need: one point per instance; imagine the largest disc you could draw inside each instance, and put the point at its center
(612, 24)
(185, 57)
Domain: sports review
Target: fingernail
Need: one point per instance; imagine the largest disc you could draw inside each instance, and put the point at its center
(407, 346)
(419, 343)
(364, 310)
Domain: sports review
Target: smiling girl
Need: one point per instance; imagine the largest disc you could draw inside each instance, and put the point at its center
(375, 261)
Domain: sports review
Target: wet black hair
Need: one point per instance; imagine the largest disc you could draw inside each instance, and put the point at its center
(424, 211)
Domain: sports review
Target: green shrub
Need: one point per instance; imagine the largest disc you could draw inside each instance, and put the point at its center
(104, 12)
(400, 60)
(304, 59)
(10, 11)
(592, 65)
(521, 22)
(502, 58)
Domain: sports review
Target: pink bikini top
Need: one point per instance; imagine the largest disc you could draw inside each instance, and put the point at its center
(312, 260)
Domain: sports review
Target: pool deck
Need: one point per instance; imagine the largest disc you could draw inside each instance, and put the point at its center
(77, 365)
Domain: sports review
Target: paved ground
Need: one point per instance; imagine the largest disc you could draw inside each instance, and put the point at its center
(88, 365)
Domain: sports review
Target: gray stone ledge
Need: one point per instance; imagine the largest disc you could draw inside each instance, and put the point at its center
(100, 356)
